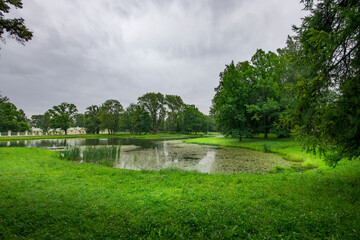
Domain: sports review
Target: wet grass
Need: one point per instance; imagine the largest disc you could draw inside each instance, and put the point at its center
(103, 155)
(44, 197)
(71, 153)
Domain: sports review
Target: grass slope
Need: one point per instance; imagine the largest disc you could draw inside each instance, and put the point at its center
(43, 197)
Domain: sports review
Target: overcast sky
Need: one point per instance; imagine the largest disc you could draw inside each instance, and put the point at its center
(85, 52)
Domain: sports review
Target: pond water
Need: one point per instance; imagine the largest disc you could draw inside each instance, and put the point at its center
(138, 154)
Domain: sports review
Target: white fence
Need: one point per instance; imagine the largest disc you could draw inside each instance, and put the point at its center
(17, 134)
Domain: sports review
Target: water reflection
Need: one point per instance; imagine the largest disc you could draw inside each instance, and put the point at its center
(138, 154)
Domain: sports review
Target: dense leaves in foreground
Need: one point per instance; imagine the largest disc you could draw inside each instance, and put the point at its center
(15, 27)
(327, 111)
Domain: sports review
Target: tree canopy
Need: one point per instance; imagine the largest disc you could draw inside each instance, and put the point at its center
(14, 27)
(326, 112)
(11, 118)
(153, 102)
(248, 99)
(92, 119)
(62, 116)
(110, 115)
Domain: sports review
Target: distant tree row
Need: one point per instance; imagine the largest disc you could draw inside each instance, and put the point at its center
(311, 87)
(154, 112)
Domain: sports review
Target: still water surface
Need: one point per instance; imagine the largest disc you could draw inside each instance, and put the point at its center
(138, 154)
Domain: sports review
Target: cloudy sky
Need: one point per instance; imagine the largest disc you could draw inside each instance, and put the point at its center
(85, 52)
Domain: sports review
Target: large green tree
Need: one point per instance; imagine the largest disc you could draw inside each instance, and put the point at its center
(92, 119)
(327, 109)
(249, 98)
(194, 120)
(153, 103)
(175, 104)
(12, 119)
(110, 115)
(62, 116)
(267, 90)
(41, 121)
(231, 97)
(136, 119)
(15, 27)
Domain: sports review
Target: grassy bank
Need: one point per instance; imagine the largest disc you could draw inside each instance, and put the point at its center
(43, 197)
(160, 136)
(286, 147)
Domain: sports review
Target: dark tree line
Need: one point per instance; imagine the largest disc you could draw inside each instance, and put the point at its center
(154, 112)
(311, 87)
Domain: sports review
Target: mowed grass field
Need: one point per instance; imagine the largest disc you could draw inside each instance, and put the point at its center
(45, 197)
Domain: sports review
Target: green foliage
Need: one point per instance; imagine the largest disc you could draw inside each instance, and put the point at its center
(326, 112)
(11, 118)
(62, 116)
(103, 155)
(92, 119)
(41, 121)
(194, 120)
(71, 153)
(267, 148)
(110, 113)
(136, 119)
(79, 120)
(153, 103)
(249, 98)
(175, 104)
(15, 27)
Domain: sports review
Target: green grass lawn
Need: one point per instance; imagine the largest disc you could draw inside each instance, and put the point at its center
(44, 197)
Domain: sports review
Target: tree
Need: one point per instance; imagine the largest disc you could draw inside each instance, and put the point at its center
(251, 95)
(267, 90)
(326, 113)
(79, 120)
(3, 99)
(194, 120)
(92, 119)
(174, 103)
(136, 119)
(153, 103)
(231, 97)
(15, 27)
(212, 124)
(62, 116)
(12, 119)
(110, 115)
(41, 121)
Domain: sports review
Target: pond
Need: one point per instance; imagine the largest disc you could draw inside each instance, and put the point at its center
(140, 154)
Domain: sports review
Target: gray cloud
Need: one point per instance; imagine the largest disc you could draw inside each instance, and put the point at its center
(86, 53)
